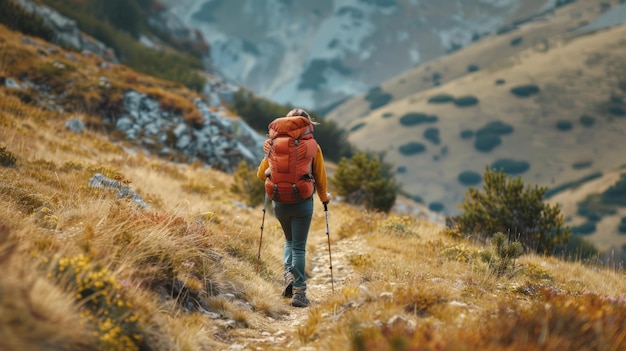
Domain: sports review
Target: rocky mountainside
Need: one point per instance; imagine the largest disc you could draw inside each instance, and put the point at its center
(315, 53)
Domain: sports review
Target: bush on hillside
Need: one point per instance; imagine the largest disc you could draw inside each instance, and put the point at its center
(472, 68)
(469, 178)
(587, 121)
(441, 99)
(17, 18)
(622, 226)
(247, 186)
(581, 165)
(501, 257)
(616, 193)
(586, 228)
(366, 180)
(377, 98)
(412, 148)
(564, 126)
(487, 142)
(507, 205)
(415, 118)
(510, 166)
(436, 206)
(466, 101)
(500, 81)
(516, 41)
(387, 115)
(466, 134)
(524, 91)
(578, 249)
(618, 110)
(357, 126)
(496, 127)
(432, 135)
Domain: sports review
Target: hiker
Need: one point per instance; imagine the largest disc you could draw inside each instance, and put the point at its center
(293, 170)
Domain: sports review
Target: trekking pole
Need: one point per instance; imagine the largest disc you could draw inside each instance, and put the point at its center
(258, 257)
(330, 256)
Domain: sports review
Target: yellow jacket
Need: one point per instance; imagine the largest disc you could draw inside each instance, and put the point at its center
(319, 174)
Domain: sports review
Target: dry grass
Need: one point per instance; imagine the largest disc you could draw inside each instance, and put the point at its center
(180, 275)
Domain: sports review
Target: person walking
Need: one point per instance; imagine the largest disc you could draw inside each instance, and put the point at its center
(293, 171)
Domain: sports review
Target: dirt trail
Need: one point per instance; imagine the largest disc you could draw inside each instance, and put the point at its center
(282, 333)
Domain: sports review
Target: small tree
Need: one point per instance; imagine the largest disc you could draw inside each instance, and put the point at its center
(247, 185)
(365, 179)
(507, 206)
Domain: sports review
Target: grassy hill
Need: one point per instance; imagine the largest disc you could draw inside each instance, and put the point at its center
(90, 268)
(542, 100)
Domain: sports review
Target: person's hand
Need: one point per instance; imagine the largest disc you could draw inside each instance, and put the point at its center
(329, 197)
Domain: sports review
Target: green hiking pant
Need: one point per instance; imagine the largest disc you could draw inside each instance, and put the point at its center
(295, 219)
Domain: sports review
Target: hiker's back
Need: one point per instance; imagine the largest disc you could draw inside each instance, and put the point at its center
(290, 150)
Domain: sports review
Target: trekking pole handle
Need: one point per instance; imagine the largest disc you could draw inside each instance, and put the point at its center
(325, 206)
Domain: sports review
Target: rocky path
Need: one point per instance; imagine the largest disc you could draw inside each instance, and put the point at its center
(282, 333)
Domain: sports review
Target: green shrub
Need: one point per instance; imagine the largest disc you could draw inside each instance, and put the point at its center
(7, 159)
(510, 166)
(564, 126)
(17, 18)
(500, 81)
(622, 226)
(377, 98)
(496, 127)
(436, 207)
(586, 228)
(616, 194)
(466, 134)
(387, 115)
(472, 68)
(466, 101)
(469, 178)
(582, 165)
(415, 118)
(412, 148)
(432, 135)
(587, 121)
(401, 170)
(441, 99)
(570, 185)
(578, 249)
(487, 142)
(501, 257)
(507, 205)
(366, 180)
(357, 126)
(618, 110)
(516, 41)
(594, 208)
(524, 91)
(247, 185)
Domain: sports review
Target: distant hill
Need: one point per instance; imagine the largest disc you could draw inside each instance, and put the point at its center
(545, 101)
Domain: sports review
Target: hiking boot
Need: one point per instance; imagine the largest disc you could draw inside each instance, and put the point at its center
(300, 299)
(288, 292)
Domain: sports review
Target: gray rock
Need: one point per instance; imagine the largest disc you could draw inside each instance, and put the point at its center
(12, 84)
(75, 125)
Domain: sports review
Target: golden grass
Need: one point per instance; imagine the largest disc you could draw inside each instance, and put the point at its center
(181, 274)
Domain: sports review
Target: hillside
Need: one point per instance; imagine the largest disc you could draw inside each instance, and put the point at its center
(314, 54)
(551, 112)
(104, 246)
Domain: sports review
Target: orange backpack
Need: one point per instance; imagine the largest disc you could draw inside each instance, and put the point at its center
(289, 151)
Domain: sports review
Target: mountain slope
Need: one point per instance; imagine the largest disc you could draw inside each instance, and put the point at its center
(313, 54)
(568, 130)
